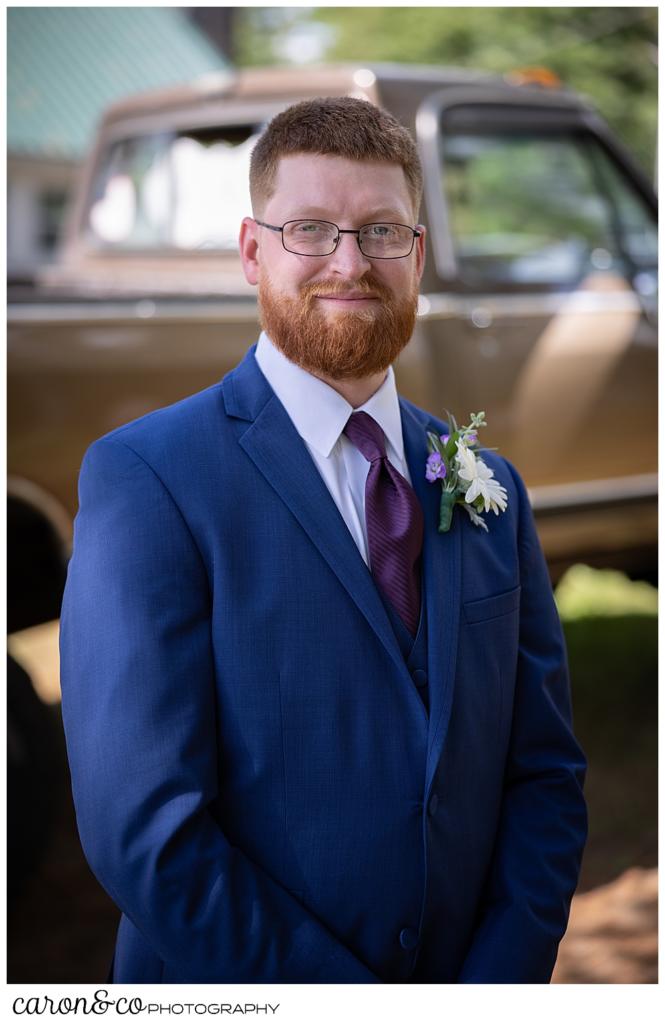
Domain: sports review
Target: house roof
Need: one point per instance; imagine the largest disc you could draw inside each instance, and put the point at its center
(66, 64)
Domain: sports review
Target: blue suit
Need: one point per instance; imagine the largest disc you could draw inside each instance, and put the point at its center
(259, 785)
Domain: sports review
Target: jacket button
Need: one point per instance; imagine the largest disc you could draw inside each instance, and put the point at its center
(433, 804)
(419, 676)
(408, 938)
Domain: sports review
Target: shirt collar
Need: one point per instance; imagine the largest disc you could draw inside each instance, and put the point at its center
(318, 412)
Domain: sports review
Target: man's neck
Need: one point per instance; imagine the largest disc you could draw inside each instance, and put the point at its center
(356, 392)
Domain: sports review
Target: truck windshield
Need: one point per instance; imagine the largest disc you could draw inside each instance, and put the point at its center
(182, 191)
(529, 208)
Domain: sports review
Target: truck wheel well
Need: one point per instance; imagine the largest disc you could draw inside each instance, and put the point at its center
(36, 566)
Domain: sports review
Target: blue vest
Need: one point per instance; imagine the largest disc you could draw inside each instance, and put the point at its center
(413, 651)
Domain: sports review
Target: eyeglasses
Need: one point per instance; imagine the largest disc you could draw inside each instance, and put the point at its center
(321, 238)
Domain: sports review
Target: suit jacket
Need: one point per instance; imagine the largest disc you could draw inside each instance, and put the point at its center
(257, 782)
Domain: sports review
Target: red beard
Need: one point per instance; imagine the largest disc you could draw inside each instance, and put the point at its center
(347, 346)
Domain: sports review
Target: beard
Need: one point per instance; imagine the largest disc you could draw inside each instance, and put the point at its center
(346, 344)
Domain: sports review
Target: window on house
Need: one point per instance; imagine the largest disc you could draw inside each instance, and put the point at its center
(51, 205)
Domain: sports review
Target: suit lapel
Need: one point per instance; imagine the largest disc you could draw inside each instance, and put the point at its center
(442, 584)
(279, 453)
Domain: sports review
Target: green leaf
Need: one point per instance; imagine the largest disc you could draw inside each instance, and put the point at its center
(452, 423)
(451, 446)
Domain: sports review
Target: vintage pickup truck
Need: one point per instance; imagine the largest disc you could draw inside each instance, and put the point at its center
(538, 302)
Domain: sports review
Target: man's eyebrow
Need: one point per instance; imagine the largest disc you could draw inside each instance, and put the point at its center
(385, 213)
(380, 214)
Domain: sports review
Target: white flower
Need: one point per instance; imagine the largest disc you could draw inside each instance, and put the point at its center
(473, 471)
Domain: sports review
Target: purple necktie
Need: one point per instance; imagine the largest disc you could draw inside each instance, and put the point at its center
(394, 522)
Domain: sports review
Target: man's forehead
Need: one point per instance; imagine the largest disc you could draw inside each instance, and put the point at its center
(318, 181)
(312, 166)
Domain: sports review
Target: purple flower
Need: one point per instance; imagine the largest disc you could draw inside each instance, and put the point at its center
(472, 438)
(444, 438)
(436, 467)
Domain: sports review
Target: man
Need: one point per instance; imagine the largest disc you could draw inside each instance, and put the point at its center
(313, 739)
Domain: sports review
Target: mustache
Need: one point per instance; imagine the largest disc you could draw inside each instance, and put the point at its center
(366, 285)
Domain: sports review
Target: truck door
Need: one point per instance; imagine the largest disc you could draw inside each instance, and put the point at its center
(543, 236)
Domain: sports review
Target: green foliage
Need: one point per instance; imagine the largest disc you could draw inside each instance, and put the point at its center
(605, 53)
(611, 630)
(256, 30)
(583, 592)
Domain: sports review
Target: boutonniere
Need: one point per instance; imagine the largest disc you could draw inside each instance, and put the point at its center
(465, 479)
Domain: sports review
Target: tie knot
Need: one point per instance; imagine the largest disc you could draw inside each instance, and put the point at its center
(366, 434)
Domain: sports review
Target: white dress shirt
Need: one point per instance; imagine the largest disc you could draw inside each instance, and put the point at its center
(319, 414)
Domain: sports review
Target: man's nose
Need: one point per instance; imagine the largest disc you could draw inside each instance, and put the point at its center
(347, 259)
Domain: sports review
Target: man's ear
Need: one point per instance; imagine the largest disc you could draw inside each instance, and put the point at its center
(248, 243)
(420, 250)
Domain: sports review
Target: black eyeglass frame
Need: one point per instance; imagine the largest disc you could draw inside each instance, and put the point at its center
(340, 232)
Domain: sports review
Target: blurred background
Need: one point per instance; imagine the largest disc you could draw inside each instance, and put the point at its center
(129, 132)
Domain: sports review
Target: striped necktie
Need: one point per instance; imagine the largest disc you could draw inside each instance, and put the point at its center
(394, 522)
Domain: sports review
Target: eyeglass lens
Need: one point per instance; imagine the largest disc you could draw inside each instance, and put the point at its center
(319, 238)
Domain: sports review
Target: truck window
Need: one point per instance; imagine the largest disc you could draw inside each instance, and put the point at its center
(542, 209)
(182, 191)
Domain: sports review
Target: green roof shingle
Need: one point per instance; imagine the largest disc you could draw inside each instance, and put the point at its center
(66, 64)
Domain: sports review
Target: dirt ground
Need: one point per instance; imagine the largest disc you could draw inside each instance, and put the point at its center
(612, 936)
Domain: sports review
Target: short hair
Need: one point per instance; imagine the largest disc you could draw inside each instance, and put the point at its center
(333, 126)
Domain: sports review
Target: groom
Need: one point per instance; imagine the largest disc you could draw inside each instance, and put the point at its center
(313, 739)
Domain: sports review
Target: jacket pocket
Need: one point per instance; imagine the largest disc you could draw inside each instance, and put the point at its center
(492, 607)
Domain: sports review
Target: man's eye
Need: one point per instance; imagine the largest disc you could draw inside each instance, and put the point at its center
(381, 230)
(310, 228)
